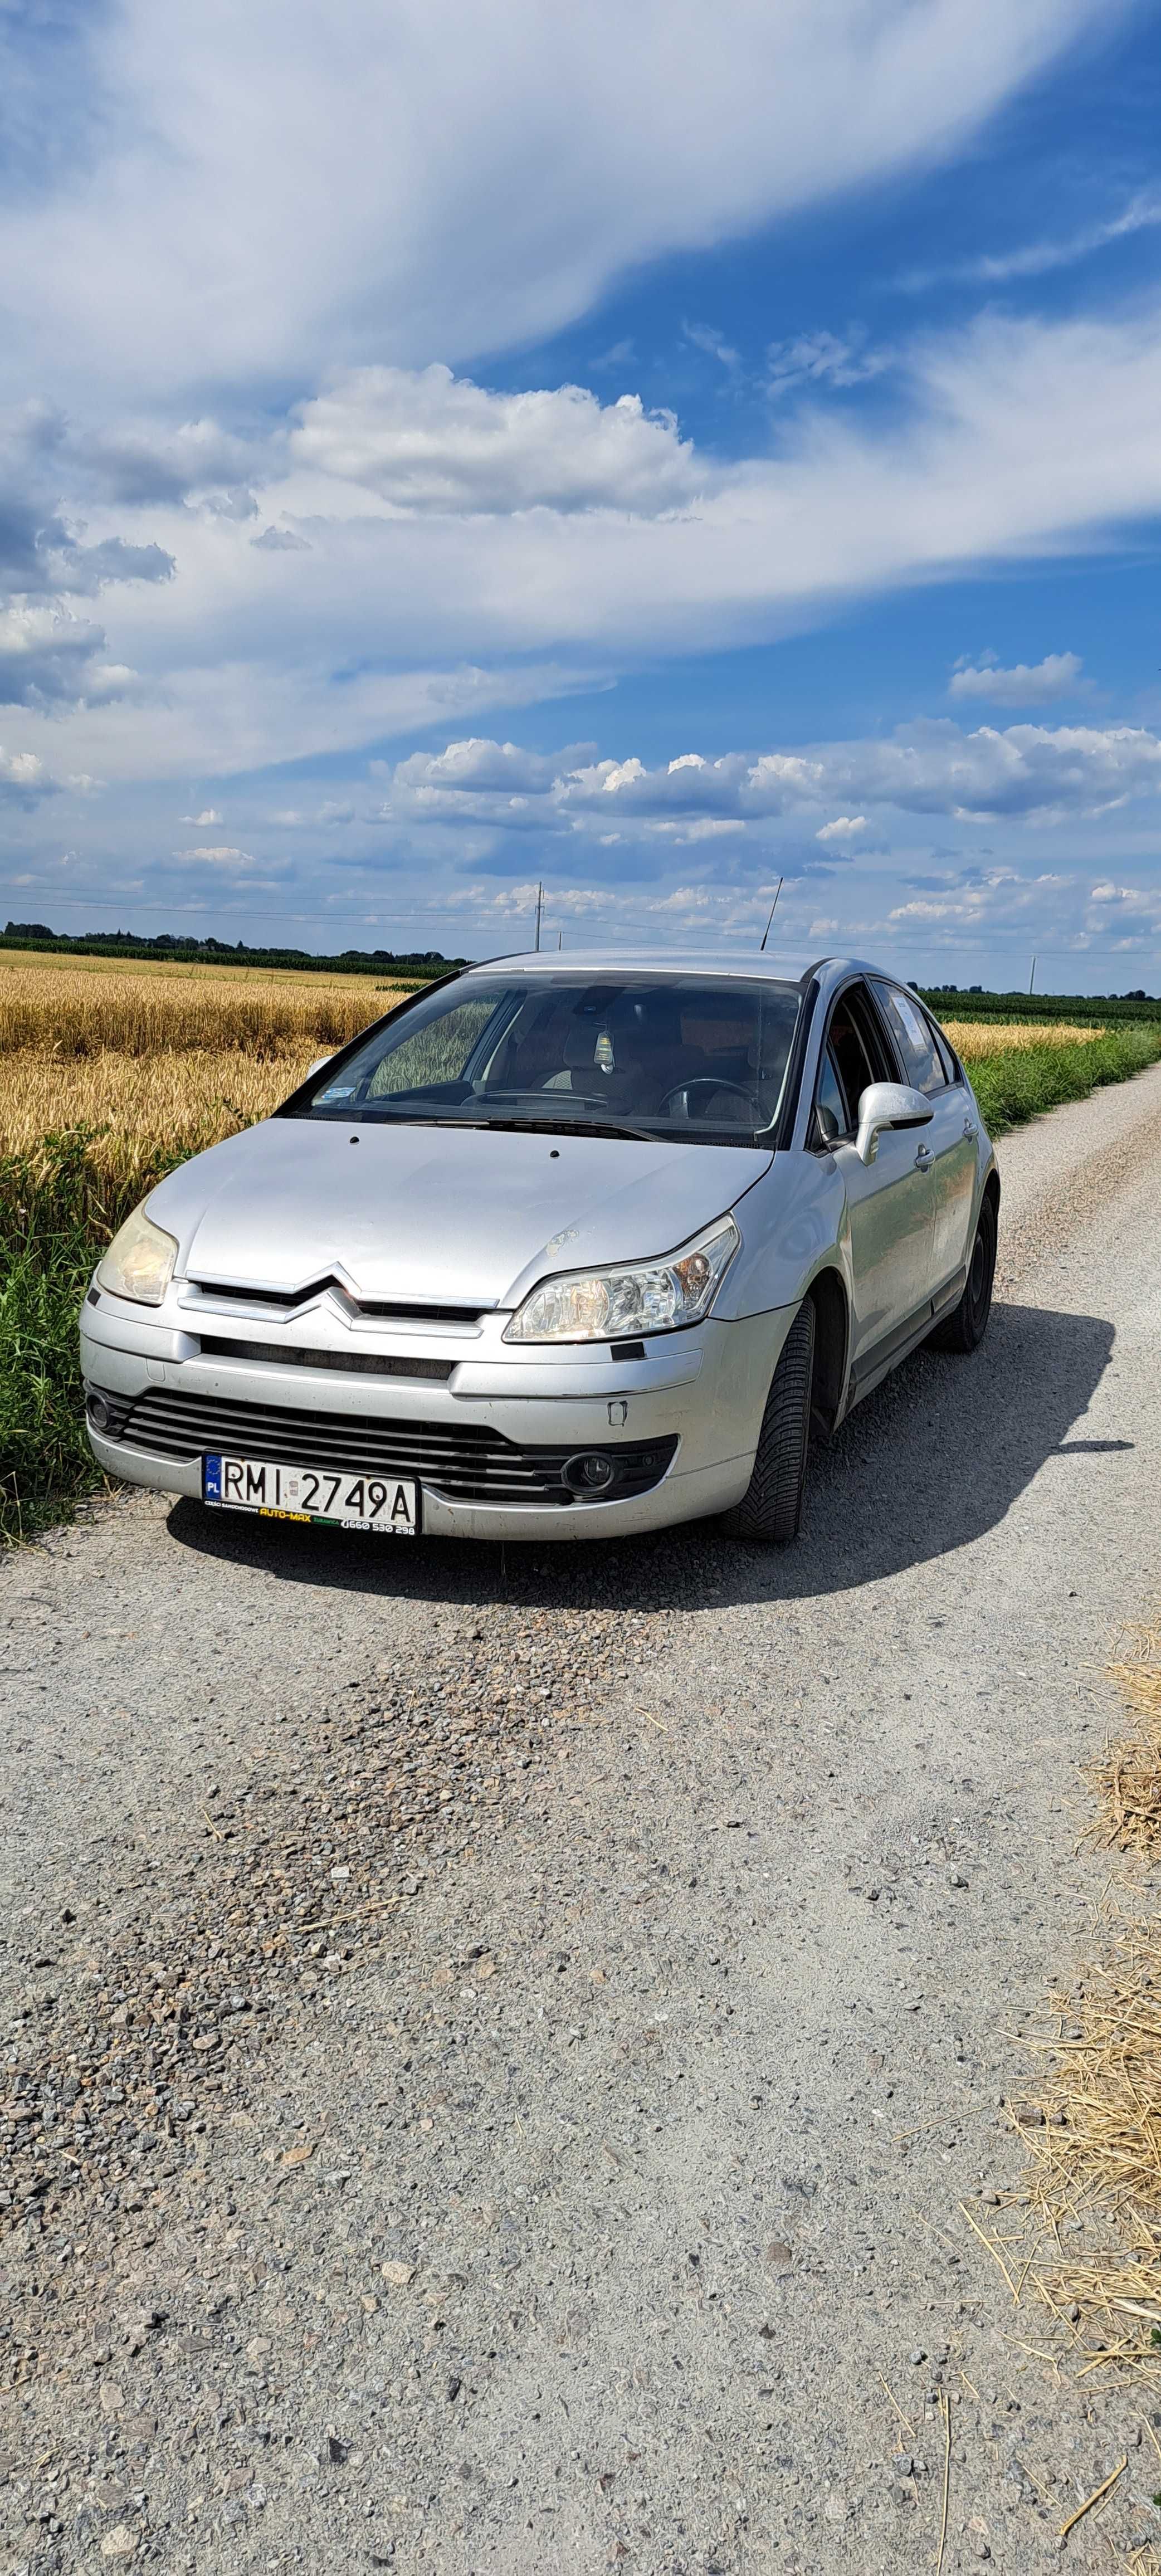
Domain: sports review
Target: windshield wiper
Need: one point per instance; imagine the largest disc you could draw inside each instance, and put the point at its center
(558, 1127)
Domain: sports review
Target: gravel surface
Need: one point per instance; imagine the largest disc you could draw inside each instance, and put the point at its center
(496, 2044)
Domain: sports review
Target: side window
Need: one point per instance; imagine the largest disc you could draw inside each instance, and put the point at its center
(856, 1043)
(831, 1116)
(915, 1039)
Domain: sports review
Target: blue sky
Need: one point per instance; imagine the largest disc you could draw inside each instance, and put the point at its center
(655, 451)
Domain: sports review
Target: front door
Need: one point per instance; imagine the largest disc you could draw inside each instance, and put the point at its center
(888, 1201)
(952, 1137)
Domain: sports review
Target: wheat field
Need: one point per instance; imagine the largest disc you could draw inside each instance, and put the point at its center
(73, 1012)
(180, 1099)
(975, 1040)
(156, 1062)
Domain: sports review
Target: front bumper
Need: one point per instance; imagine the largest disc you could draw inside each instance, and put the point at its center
(697, 1395)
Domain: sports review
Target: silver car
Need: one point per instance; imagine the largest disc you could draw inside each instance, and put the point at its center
(560, 1248)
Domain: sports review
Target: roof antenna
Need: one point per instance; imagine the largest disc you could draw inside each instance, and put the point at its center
(539, 909)
(773, 910)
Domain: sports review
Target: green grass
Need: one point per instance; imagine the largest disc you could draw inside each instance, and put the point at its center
(58, 1208)
(56, 1214)
(1011, 1087)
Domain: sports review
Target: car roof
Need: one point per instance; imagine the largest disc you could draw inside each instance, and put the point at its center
(771, 967)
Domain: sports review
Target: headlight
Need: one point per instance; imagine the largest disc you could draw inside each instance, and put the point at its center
(646, 1297)
(139, 1261)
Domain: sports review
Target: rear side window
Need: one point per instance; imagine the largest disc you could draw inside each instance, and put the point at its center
(947, 1059)
(922, 1064)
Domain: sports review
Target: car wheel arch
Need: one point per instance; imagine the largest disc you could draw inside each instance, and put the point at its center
(827, 1291)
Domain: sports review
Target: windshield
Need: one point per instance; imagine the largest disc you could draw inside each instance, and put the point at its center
(697, 1058)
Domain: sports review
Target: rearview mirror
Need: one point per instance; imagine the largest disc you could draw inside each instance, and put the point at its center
(888, 1104)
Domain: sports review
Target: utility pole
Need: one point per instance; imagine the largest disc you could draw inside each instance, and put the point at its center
(560, 938)
(539, 909)
(1032, 977)
(773, 910)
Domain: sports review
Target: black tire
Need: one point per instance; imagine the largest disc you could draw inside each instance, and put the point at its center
(964, 1328)
(771, 1507)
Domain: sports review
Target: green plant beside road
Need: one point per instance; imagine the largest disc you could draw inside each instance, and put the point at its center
(57, 1210)
(61, 1204)
(1022, 1082)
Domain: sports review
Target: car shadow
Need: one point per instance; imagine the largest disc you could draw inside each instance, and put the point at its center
(931, 1461)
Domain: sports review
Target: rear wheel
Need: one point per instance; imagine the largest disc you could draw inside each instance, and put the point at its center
(771, 1507)
(967, 1323)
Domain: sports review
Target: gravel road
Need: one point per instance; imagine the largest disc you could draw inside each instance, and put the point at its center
(496, 2044)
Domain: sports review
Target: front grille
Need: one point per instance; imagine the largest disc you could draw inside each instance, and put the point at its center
(352, 1363)
(466, 1461)
(287, 1298)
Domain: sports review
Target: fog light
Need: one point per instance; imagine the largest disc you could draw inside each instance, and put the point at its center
(98, 1412)
(590, 1472)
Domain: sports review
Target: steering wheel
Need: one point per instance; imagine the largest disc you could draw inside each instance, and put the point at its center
(709, 1083)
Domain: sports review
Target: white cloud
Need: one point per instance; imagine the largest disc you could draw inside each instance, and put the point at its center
(1012, 440)
(139, 463)
(431, 441)
(281, 541)
(1142, 899)
(1035, 259)
(704, 827)
(446, 192)
(49, 658)
(479, 765)
(1015, 439)
(845, 827)
(1024, 684)
(1028, 772)
(211, 815)
(22, 770)
(221, 857)
(703, 336)
(819, 358)
(999, 899)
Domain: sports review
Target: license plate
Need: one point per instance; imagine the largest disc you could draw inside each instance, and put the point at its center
(388, 1506)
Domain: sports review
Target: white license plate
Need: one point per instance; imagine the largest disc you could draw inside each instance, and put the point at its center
(388, 1506)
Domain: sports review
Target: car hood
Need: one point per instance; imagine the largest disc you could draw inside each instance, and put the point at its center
(448, 1215)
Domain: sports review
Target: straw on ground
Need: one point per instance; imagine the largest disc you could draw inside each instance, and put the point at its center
(1093, 2189)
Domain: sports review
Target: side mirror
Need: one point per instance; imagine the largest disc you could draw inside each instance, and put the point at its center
(316, 1067)
(887, 1105)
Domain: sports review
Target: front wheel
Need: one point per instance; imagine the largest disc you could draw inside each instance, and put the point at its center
(967, 1323)
(771, 1507)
